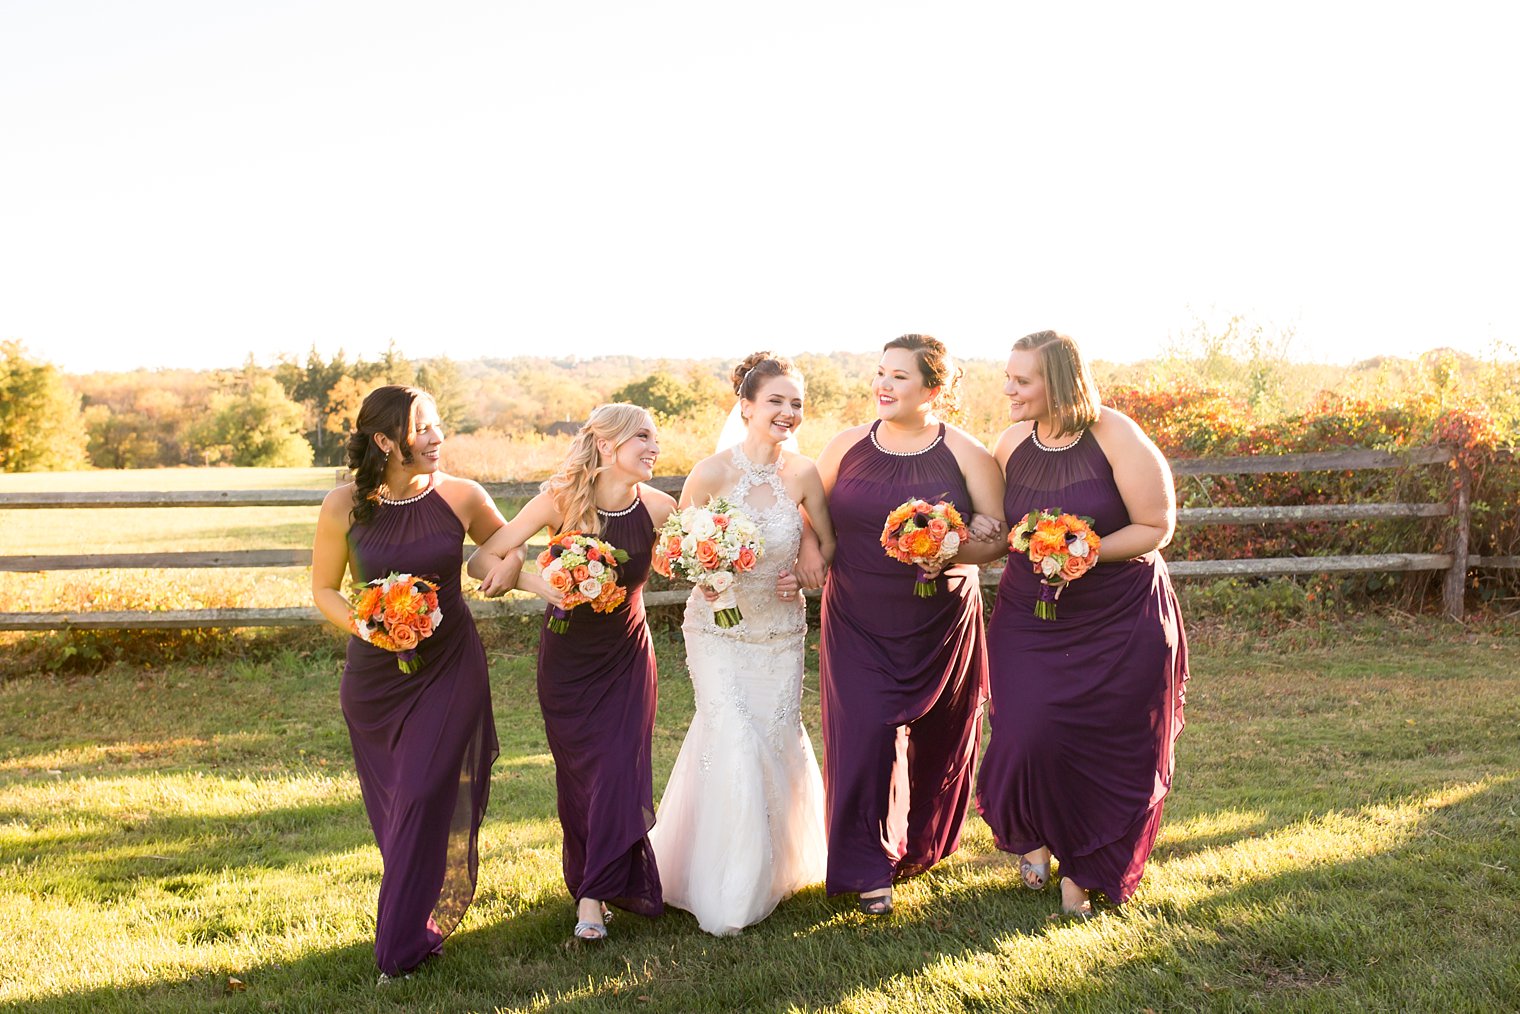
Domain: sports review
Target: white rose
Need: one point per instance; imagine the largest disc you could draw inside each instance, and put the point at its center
(950, 545)
(688, 545)
(703, 527)
(720, 581)
(590, 587)
(1078, 548)
(1050, 566)
(594, 568)
(435, 617)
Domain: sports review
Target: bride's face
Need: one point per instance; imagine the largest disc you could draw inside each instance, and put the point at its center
(776, 410)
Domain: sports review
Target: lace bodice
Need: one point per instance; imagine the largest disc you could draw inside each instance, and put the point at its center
(761, 492)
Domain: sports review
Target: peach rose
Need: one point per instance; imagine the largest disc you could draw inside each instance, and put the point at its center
(405, 637)
(938, 527)
(1074, 568)
(745, 559)
(558, 579)
(707, 554)
(580, 574)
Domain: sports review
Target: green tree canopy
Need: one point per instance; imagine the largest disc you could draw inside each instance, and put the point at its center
(253, 425)
(41, 427)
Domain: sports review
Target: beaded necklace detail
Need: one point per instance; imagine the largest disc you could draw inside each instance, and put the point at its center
(411, 499)
(617, 514)
(907, 454)
(1035, 436)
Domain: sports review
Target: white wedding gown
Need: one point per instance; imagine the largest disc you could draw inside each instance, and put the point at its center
(741, 823)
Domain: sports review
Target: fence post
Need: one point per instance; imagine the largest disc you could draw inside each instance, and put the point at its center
(1455, 589)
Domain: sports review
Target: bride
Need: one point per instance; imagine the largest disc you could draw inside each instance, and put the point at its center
(741, 823)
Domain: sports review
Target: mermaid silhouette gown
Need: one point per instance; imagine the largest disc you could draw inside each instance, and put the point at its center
(423, 743)
(596, 687)
(1085, 708)
(741, 824)
(903, 677)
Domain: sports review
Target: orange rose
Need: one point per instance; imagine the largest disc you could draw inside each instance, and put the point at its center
(707, 554)
(746, 558)
(938, 528)
(580, 574)
(1074, 568)
(424, 625)
(559, 580)
(720, 521)
(660, 564)
(405, 637)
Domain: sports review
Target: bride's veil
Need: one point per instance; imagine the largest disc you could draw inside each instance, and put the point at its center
(733, 433)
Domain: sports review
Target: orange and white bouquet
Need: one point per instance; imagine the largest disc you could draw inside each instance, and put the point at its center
(396, 613)
(1061, 548)
(924, 535)
(709, 546)
(584, 568)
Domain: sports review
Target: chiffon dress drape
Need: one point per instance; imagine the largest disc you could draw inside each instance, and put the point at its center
(903, 677)
(741, 824)
(423, 742)
(1085, 708)
(596, 687)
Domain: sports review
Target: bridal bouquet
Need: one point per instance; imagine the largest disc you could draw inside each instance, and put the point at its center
(925, 535)
(1061, 547)
(395, 613)
(708, 546)
(585, 569)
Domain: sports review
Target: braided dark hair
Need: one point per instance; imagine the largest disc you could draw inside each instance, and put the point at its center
(757, 368)
(389, 410)
(935, 366)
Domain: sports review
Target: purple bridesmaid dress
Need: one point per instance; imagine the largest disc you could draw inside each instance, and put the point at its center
(903, 677)
(423, 743)
(596, 686)
(1085, 708)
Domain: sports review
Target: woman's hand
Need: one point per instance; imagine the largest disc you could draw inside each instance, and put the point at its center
(984, 528)
(708, 594)
(810, 569)
(787, 586)
(503, 576)
(543, 589)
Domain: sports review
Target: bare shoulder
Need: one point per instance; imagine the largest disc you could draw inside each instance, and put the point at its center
(658, 503)
(845, 439)
(459, 490)
(339, 500)
(712, 469)
(959, 440)
(799, 465)
(1010, 438)
(1116, 431)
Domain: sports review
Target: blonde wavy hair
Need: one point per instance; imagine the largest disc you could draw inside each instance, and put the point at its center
(573, 487)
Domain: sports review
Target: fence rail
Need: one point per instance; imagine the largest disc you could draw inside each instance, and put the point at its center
(1454, 560)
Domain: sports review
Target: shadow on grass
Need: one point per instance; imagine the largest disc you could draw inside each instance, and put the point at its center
(1348, 934)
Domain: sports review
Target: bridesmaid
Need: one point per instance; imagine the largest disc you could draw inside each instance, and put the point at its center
(423, 743)
(596, 683)
(1086, 708)
(903, 677)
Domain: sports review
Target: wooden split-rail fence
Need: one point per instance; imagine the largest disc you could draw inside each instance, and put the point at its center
(1451, 557)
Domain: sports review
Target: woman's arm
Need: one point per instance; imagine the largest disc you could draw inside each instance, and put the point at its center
(497, 564)
(984, 481)
(329, 557)
(1145, 484)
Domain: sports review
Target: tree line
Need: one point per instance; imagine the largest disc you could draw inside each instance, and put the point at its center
(299, 412)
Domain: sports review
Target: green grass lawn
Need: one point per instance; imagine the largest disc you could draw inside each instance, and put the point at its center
(1343, 835)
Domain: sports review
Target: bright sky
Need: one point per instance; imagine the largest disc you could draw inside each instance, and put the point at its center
(185, 181)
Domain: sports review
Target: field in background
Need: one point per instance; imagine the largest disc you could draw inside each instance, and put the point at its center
(1342, 835)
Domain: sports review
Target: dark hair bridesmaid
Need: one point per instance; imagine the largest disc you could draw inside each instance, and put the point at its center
(1085, 708)
(423, 742)
(903, 676)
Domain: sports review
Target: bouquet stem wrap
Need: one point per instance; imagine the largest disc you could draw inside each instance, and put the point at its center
(726, 609)
(559, 620)
(926, 587)
(1045, 605)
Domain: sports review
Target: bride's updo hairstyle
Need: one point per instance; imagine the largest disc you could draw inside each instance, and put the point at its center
(1069, 385)
(573, 487)
(935, 366)
(390, 410)
(758, 367)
